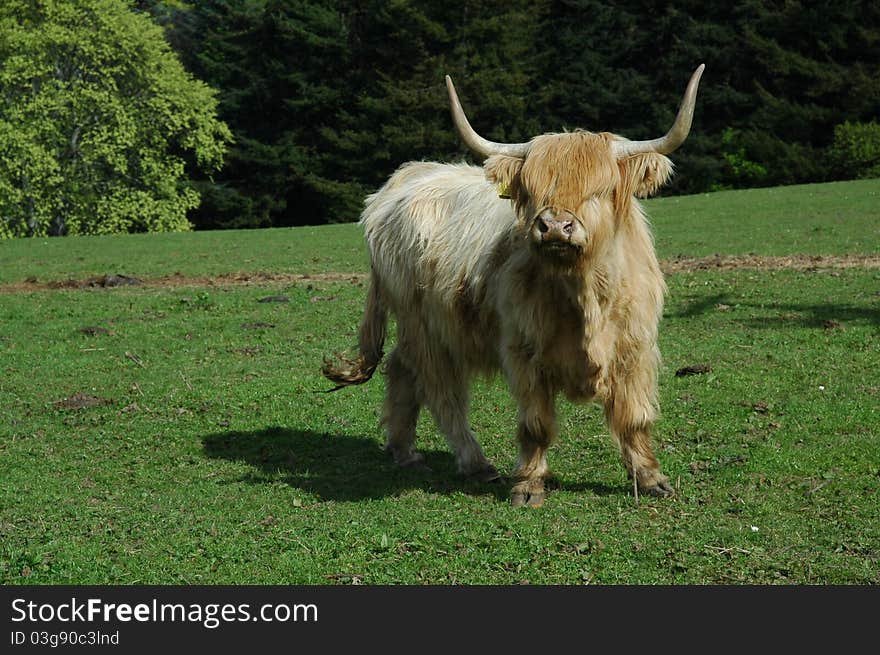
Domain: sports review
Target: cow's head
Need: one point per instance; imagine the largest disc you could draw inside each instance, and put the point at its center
(573, 190)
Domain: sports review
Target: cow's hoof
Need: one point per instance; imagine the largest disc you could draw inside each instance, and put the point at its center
(526, 499)
(660, 489)
(653, 483)
(528, 493)
(487, 474)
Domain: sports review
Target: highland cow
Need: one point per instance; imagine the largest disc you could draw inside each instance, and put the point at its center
(539, 264)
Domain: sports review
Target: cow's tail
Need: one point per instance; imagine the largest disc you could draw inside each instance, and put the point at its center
(344, 371)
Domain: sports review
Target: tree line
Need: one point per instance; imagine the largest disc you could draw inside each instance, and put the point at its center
(323, 99)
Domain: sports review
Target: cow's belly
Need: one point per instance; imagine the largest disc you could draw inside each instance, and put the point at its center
(573, 363)
(463, 337)
(472, 340)
(575, 375)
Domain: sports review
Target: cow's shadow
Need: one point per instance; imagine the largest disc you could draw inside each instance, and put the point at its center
(811, 315)
(344, 467)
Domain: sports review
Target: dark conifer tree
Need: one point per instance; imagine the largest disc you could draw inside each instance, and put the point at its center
(327, 97)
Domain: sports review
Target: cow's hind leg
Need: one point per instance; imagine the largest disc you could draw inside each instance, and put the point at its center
(535, 432)
(401, 412)
(450, 407)
(446, 395)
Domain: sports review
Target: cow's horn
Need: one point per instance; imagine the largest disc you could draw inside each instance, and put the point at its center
(481, 147)
(676, 135)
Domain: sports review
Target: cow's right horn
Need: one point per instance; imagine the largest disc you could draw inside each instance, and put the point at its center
(481, 147)
(677, 133)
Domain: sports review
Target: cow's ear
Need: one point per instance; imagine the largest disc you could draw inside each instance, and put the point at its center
(503, 171)
(643, 175)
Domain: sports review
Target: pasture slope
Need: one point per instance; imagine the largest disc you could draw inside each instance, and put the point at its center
(176, 431)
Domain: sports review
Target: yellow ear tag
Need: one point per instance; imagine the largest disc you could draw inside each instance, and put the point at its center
(504, 190)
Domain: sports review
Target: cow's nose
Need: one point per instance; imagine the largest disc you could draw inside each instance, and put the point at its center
(552, 226)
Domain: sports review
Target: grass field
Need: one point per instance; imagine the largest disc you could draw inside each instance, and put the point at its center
(178, 433)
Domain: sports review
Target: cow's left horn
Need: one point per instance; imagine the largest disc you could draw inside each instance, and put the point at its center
(481, 147)
(676, 135)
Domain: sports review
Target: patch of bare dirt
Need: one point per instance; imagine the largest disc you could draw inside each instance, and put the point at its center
(81, 400)
(247, 350)
(102, 281)
(180, 280)
(681, 264)
(755, 262)
(235, 279)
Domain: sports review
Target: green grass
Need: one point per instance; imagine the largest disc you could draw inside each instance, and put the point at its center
(218, 459)
(329, 248)
(837, 218)
(824, 219)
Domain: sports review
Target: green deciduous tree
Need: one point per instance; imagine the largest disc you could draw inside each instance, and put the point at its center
(98, 122)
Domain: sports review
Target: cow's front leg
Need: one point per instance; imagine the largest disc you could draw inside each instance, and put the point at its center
(639, 460)
(630, 410)
(535, 432)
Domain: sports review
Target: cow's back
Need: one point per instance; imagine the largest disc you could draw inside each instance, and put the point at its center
(436, 232)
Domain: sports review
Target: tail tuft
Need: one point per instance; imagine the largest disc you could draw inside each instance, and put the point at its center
(345, 371)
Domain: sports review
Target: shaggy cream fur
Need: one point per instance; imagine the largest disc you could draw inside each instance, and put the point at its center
(476, 287)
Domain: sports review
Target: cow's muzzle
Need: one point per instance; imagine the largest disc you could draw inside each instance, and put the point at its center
(554, 229)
